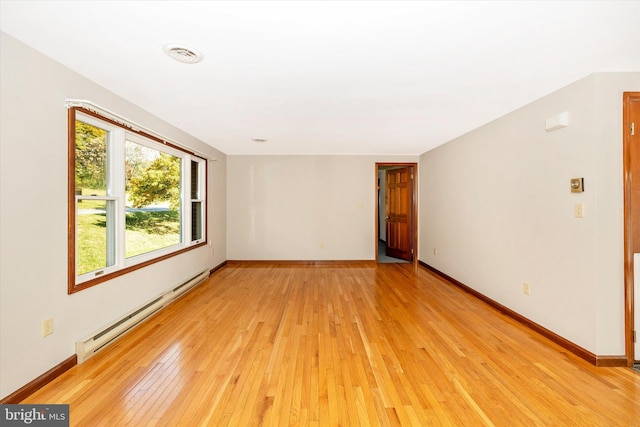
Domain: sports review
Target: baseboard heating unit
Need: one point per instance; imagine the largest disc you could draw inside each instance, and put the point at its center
(92, 344)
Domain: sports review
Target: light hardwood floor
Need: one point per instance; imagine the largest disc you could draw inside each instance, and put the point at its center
(282, 345)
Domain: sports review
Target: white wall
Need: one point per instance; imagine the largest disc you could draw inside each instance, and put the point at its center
(497, 206)
(33, 219)
(303, 207)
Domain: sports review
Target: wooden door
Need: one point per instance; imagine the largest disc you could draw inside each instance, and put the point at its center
(399, 213)
(631, 134)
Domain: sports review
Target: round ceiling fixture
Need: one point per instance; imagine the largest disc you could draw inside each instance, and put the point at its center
(260, 140)
(182, 53)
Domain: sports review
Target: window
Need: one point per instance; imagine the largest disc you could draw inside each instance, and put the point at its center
(134, 199)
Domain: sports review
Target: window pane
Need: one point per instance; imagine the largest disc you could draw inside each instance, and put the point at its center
(91, 159)
(153, 187)
(95, 235)
(194, 180)
(196, 221)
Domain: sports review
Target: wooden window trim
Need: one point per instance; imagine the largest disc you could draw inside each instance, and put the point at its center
(72, 286)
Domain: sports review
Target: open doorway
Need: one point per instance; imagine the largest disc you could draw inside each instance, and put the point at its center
(396, 213)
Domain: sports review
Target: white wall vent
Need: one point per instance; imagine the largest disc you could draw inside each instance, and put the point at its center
(92, 344)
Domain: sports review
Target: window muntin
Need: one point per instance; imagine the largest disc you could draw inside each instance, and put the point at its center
(134, 200)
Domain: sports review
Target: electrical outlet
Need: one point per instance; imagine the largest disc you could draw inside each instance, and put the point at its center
(47, 327)
(579, 210)
(526, 289)
(435, 251)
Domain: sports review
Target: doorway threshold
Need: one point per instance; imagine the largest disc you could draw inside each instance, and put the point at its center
(382, 255)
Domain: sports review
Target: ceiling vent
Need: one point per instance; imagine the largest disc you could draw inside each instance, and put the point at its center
(182, 53)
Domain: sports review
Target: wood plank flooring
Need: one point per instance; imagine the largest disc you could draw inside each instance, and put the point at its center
(277, 345)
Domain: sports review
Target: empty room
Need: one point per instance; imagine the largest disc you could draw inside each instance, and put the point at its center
(319, 213)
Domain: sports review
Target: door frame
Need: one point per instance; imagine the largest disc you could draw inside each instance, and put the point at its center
(629, 298)
(414, 205)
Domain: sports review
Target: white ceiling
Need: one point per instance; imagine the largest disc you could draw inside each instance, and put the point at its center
(332, 77)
